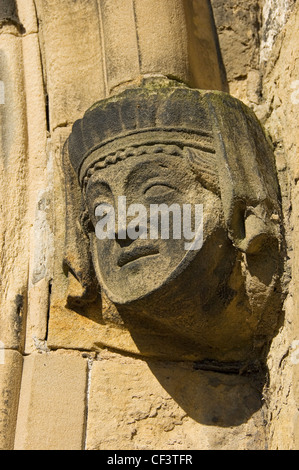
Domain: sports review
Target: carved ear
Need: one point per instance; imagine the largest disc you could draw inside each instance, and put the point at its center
(77, 258)
(254, 228)
(247, 175)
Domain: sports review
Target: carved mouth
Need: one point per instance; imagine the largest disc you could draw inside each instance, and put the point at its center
(136, 253)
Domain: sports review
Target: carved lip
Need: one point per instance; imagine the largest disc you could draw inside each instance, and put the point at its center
(128, 256)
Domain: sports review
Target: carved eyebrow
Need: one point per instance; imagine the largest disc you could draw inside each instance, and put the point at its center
(155, 166)
(99, 184)
(156, 181)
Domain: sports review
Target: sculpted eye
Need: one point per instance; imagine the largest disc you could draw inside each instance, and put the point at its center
(158, 189)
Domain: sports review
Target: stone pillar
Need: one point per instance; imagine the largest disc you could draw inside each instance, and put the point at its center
(24, 275)
(14, 227)
(91, 49)
(173, 38)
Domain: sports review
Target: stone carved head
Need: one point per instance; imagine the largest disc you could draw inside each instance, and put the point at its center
(174, 145)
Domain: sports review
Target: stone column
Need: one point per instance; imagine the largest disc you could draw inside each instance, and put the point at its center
(24, 275)
(91, 49)
(13, 219)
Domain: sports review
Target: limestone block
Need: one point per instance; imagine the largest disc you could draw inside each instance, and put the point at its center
(52, 402)
(238, 26)
(91, 48)
(39, 190)
(13, 197)
(10, 380)
(37, 321)
(172, 38)
(120, 46)
(72, 57)
(275, 15)
(206, 68)
(167, 406)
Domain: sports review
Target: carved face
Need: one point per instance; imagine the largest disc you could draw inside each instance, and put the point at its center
(129, 269)
(212, 302)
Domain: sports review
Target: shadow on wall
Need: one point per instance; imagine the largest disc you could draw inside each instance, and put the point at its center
(202, 35)
(211, 398)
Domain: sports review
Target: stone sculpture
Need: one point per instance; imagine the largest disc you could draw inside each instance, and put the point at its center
(163, 142)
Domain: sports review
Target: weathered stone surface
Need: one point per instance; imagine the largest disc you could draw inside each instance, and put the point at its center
(248, 30)
(24, 176)
(167, 406)
(183, 34)
(40, 183)
(37, 321)
(91, 48)
(280, 117)
(23, 139)
(52, 402)
(296, 427)
(73, 65)
(14, 227)
(206, 68)
(10, 381)
(238, 23)
(28, 19)
(120, 47)
(275, 15)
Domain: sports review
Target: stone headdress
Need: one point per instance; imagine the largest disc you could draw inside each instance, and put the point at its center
(221, 137)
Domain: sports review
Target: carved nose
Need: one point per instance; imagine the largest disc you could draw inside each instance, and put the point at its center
(122, 238)
(125, 236)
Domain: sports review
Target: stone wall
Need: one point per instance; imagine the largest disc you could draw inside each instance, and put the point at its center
(59, 390)
(266, 39)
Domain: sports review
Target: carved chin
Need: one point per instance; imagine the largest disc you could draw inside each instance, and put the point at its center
(140, 273)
